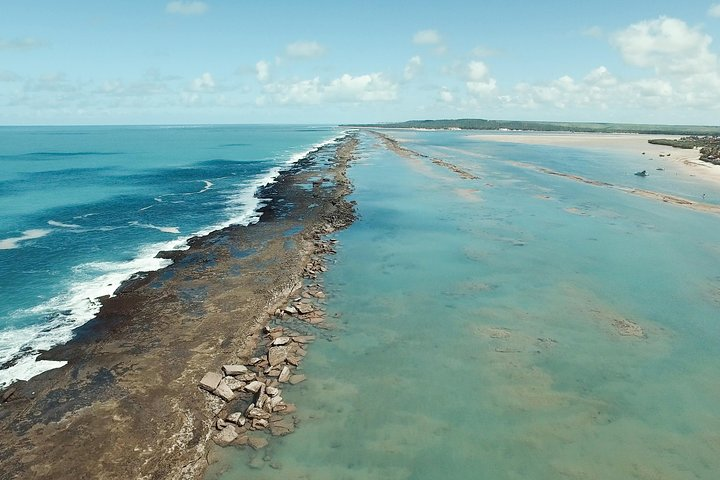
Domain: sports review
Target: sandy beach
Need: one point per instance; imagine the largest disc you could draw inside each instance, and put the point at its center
(631, 143)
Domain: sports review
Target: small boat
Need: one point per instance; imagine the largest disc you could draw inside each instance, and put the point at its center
(642, 174)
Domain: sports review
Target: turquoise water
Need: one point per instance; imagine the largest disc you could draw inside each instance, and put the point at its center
(83, 208)
(477, 333)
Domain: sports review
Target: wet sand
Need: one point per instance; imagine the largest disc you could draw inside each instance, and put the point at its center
(631, 143)
(127, 404)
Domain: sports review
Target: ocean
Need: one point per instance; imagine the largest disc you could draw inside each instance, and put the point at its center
(517, 325)
(84, 208)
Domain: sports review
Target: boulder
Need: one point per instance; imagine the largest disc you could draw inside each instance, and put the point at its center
(272, 391)
(234, 383)
(295, 379)
(226, 436)
(257, 442)
(277, 355)
(281, 341)
(291, 310)
(237, 418)
(260, 423)
(254, 386)
(284, 374)
(224, 391)
(282, 427)
(210, 381)
(274, 402)
(304, 308)
(255, 412)
(234, 369)
(246, 377)
(304, 338)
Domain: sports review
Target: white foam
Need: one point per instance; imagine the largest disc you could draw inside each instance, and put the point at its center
(155, 227)
(208, 185)
(55, 223)
(80, 303)
(10, 243)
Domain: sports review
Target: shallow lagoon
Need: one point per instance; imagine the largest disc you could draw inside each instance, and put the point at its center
(479, 326)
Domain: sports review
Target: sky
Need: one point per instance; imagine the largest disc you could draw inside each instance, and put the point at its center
(327, 62)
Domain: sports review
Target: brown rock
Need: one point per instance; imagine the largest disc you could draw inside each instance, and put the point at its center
(254, 386)
(257, 442)
(282, 427)
(281, 341)
(295, 379)
(260, 423)
(284, 374)
(210, 381)
(255, 412)
(226, 436)
(237, 418)
(224, 391)
(233, 383)
(277, 355)
(304, 308)
(234, 369)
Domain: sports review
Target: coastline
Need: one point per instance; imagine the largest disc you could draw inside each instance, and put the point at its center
(626, 142)
(128, 396)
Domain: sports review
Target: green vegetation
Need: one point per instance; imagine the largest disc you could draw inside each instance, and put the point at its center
(480, 124)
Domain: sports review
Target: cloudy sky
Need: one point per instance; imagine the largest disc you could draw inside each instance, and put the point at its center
(321, 61)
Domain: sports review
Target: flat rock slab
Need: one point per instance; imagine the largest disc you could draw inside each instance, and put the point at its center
(210, 381)
(257, 442)
(254, 386)
(226, 436)
(224, 391)
(234, 369)
(281, 341)
(284, 374)
(304, 308)
(277, 355)
(295, 379)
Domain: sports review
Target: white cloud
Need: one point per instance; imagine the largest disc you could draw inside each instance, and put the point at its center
(262, 69)
(446, 95)
(186, 8)
(204, 83)
(478, 79)
(373, 87)
(412, 68)
(481, 51)
(19, 44)
(714, 10)
(304, 49)
(427, 37)
(667, 45)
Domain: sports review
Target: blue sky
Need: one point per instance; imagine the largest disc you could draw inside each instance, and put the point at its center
(236, 61)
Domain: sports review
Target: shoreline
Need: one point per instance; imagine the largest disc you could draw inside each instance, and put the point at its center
(128, 396)
(627, 142)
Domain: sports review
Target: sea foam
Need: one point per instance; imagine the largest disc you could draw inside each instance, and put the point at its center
(19, 348)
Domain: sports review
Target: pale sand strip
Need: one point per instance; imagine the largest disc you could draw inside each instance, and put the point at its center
(628, 142)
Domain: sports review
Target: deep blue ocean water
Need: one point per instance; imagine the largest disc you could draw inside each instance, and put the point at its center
(83, 208)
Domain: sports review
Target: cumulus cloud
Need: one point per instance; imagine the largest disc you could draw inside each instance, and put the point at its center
(446, 95)
(373, 87)
(667, 45)
(427, 37)
(19, 44)
(304, 49)
(262, 69)
(204, 83)
(412, 68)
(714, 10)
(479, 81)
(186, 8)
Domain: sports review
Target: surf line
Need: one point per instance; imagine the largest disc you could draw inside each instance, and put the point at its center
(638, 192)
